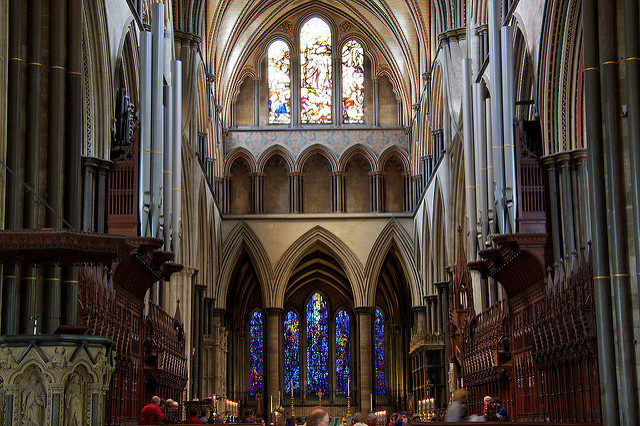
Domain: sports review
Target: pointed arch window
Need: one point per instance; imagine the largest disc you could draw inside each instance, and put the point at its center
(343, 352)
(279, 72)
(315, 63)
(317, 345)
(255, 353)
(352, 82)
(291, 353)
(378, 326)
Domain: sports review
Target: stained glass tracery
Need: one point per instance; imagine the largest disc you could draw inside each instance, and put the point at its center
(343, 352)
(291, 353)
(352, 82)
(315, 63)
(317, 345)
(378, 325)
(255, 353)
(279, 70)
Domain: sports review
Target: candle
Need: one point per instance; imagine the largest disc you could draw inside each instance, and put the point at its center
(349, 386)
(371, 400)
(271, 404)
(291, 388)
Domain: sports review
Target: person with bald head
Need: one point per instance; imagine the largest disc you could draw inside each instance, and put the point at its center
(318, 417)
(151, 413)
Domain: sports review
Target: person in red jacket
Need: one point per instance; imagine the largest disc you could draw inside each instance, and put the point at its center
(151, 413)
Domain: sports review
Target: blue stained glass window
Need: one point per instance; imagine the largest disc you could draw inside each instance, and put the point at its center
(343, 352)
(378, 325)
(291, 353)
(255, 353)
(317, 345)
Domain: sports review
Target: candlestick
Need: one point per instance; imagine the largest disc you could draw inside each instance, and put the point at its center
(348, 405)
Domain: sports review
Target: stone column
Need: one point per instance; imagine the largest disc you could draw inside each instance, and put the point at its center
(337, 192)
(417, 190)
(377, 191)
(365, 357)
(337, 90)
(257, 191)
(549, 163)
(566, 204)
(256, 102)
(433, 302)
(273, 350)
(426, 170)
(295, 91)
(376, 101)
(226, 193)
(429, 323)
(295, 192)
(406, 181)
(581, 192)
(219, 336)
(101, 195)
(89, 169)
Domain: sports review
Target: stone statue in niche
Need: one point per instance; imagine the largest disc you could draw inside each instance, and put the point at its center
(58, 359)
(73, 401)
(5, 358)
(33, 402)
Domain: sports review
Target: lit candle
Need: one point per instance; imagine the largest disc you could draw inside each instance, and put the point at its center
(349, 386)
(271, 404)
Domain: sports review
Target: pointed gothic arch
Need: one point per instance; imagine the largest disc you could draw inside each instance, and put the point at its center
(393, 236)
(303, 245)
(242, 238)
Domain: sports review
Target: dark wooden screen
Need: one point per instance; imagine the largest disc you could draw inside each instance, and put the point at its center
(531, 215)
(122, 193)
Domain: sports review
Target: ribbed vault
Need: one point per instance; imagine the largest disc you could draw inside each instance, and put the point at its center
(318, 271)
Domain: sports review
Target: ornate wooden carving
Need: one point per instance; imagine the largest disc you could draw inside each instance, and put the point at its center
(536, 350)
(165, 367)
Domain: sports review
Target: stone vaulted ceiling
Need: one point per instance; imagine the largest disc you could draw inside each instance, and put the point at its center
(232, 28)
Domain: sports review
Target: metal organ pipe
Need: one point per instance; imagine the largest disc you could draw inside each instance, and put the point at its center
(469, 161)
(167, 166)
(508, 115)
(497, 133)
(176, 177)
(157, 131)
(144, 171)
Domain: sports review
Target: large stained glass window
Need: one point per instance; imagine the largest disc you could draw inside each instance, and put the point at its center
(279, 82)
(291, 353)
(255, 353)
(343, 352)
(352, 82)
(378, 325)
(315, 62)
(317, 345)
